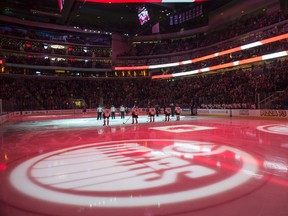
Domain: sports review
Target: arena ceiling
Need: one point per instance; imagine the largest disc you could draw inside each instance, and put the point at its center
(114, 17)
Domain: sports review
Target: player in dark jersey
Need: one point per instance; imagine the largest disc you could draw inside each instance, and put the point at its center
(106, 115)
(135, 113)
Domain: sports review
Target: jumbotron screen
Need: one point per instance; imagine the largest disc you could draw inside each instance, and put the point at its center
(143, 15)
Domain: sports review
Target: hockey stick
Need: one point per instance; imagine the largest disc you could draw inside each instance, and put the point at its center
(148, 119)
(127, 120)
(129, 117)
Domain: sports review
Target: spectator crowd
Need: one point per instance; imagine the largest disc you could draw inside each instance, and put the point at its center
(242, 87)
(233, 89)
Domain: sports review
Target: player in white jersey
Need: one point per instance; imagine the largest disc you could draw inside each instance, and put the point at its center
(113, 110)
(99, 112)
(122, 112)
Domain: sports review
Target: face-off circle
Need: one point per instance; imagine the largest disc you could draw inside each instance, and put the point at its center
(134, 173)
(274, 128)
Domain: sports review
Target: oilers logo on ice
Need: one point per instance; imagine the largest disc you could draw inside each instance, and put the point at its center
(134, 173)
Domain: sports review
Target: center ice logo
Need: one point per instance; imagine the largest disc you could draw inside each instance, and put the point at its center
(133, 173)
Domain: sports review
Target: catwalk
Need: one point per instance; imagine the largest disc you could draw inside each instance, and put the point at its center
(72, 165)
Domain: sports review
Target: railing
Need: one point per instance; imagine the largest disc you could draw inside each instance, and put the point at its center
(266, 102)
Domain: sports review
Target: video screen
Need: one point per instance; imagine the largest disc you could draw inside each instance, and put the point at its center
(143, 15)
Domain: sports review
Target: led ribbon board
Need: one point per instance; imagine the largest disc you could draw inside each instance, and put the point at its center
(226, 65)
(210, 56)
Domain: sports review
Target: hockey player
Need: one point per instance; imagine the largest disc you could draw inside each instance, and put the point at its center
(99, 112)
(152, 112)
(172, 109)
(106, 115)
(167, 112)
(113, 110)
(84, 109)
(157, 107)
(177, 112)
(135, 113)
(122, 111)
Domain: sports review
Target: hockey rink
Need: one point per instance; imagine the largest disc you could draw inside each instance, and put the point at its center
(73, 165)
